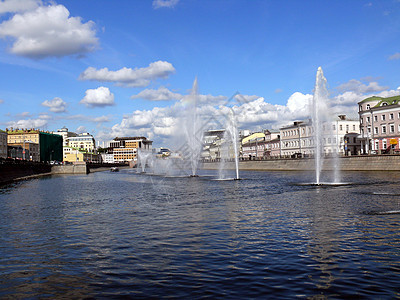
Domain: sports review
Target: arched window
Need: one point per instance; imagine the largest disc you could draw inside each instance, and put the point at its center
(368, 106)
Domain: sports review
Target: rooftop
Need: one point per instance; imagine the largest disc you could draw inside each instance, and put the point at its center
(389, 100)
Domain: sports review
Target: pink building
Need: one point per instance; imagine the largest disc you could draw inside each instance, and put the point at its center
(380, 124)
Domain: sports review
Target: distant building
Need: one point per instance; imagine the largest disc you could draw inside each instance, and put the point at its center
(380, 124)
(338, 136)
(3, 144)
(83, 141)
(49, 145)
(212, 143)
(124, 149)
(65, 135)
(79, 155)
(254, 145)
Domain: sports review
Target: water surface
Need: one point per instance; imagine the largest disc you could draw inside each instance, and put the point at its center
(124, 234)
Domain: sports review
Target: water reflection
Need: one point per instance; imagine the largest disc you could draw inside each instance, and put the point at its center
(108, 234)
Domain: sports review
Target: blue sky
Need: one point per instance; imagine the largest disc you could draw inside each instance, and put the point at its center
(123, 68)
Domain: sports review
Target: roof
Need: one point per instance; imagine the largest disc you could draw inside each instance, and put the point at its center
(389, 100)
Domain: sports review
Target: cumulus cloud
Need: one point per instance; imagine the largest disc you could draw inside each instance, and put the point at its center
(29, 123)
(358, 87)
(138, 77)
(49, 31)
(99, 97)
(164, 3)
(56, 105)
(161, 94)
(15, 6)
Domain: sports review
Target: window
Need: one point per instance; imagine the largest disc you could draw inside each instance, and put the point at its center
(384, 144)
(391, 116)
(376, 118)
(384, 104)
(368, 119)
(391, 128)
(334, 127)
(384, 129)
(347, 127)
(369, 129)
(376, 145)
(376, 131)
(383, 117)
(341, 127)
(368, 106)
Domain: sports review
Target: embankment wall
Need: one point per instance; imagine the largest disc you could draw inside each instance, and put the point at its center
(348, 163)
(11, 171)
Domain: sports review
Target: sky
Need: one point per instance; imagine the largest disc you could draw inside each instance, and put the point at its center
(127, 67)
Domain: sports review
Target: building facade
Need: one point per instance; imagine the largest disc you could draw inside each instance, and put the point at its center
(124, 149)
(65, 135)
(380, 124)
(50, 145)
(3, 144)
(338, 136)
(83, 142)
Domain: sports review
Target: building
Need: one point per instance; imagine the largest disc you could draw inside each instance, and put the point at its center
(65, 135)
(254, 145)
(83, 142)
(124, 149)
(212, 143)
(3, 144)
(49, 145)
(73, 155)
(338, 136)
(273, 144)
(380, 124)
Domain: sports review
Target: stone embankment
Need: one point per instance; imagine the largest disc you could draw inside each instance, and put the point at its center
(346, 163)
(16, 170)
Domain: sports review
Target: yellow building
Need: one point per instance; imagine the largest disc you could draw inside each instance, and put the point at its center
(75, 155)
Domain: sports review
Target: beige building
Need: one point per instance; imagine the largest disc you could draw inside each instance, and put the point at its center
(84, 141)
(3, 144)
(125, 149)
(65, 135)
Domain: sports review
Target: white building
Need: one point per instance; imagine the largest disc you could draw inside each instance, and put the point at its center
(84, 141)
(339, 136)
(65, 134)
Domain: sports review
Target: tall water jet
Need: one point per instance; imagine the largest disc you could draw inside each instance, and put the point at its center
(193, 131)
(230, 140)
(144, 159)
(319, 109)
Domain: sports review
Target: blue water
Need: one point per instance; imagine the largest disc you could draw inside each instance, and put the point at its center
(109, 235)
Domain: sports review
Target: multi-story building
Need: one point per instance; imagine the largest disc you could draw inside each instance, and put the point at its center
(65, 135)
(3, 144)
(273, 144)
(49, 145)
(78, 155)
(83, 141)
(124, 149)
(338, 136)
(254, 145)
(380, 124)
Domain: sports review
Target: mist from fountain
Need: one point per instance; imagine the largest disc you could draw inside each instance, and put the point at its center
(145, 158)
(230, 142)
(321, 121)
(193, 131)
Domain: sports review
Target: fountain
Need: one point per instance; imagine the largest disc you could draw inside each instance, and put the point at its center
(144, 158)
(321, 117)
(230, 139)
(193, 131)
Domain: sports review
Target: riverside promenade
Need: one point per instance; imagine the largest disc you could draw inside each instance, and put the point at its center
(385, 162)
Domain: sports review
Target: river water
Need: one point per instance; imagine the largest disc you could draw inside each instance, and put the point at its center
(108, 235)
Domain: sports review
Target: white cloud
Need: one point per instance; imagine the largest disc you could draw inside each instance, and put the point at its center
(395, 56)
(361, 88)
(164, 3)
(99, 97)
(138, 77)
(15, 6)
(49, 31)
(161, 94)
(38, 123)
(81, 129)
(56, 105)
